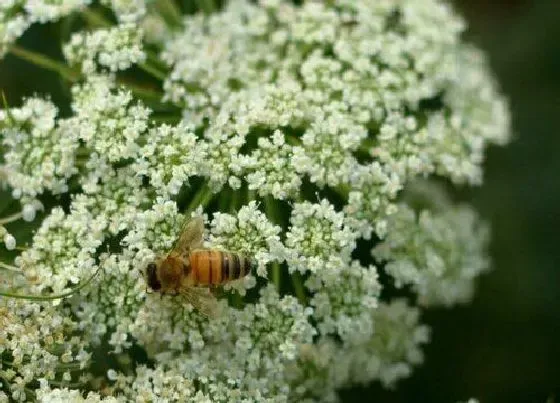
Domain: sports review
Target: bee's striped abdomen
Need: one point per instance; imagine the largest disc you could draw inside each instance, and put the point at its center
(215, 267)
(234, 266)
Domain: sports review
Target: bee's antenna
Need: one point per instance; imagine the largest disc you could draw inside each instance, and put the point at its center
(52, 297)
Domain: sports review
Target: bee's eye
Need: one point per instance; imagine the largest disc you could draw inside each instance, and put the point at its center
(153, 281)
(151, 268)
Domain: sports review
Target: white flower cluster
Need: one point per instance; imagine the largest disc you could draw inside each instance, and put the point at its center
(18, 15)
(63, 250)
(170, 157)
(387, 89)
(40, 151)
(107, 119)
(113, 49)
(439, 253)
(127, 11)
(243, 354)
(387, 356)
(267, 168)
(343, 300)
(38, 342)
(63, 395)
(7, 238)
(298, 133)
(318, 238)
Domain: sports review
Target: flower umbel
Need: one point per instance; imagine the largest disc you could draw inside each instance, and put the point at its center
(299, 133)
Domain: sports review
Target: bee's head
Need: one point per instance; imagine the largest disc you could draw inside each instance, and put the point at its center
(151, 276)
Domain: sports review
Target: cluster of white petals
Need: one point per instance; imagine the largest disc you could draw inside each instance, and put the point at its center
(40, 151)
(171, 155)
(16, 16)
(108, 119)
(38, 341)
(298, 133)
(439, 253)
(267, 169)
(318, 238)
(128, 11)
(243, 354)
(113, 49)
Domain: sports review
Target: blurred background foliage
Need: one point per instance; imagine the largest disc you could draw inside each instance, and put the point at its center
(505, 346)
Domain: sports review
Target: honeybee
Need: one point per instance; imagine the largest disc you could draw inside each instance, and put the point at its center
(192, 271)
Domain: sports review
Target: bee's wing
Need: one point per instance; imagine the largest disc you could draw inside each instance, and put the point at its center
(202, 300)
(190, 237)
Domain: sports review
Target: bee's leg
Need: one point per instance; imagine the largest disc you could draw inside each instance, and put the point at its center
(215, 290)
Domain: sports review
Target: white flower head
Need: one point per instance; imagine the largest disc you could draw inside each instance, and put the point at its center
(170, 157)
(268, 168)
(298, 133)
(112, 49)
(40, 153)
(107, 119)
(318, 238)
(440, 254)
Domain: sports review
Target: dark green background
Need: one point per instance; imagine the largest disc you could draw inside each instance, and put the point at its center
(505, 347)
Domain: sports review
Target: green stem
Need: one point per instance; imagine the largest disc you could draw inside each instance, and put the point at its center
(293, 140)
(153, 59)
(94, 18)
(11, 218)
(276, 276)
(146, 93)
(342, 190)
(31, 393)
(298, 287)
(272, 214)
(45, 62)
(60, 367)
(251, 195)
(236, 300)
(225, 200)
(208, 6)
(233, 202)
(83, 151)
(73, 366)
(201, 198)
(154, 71)
(367, 145)
(65, 384)
(50, 297)
(6, 106)
(272, 210)
(170, 11)
(169, 119)
(9, 267)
